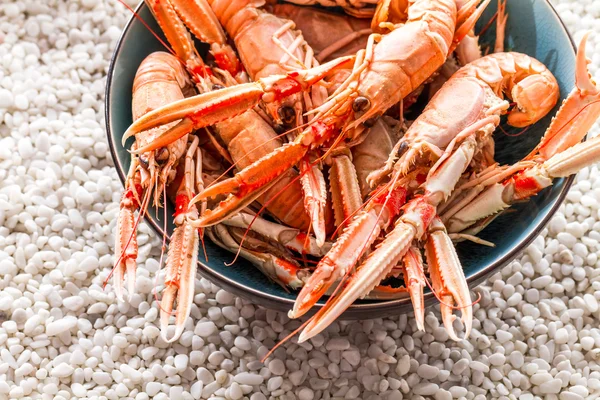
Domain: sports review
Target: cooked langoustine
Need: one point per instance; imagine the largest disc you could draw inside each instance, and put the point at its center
(160, 80)
(559, 154)
(455, 134)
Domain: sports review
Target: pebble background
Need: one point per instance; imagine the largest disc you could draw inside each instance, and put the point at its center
(536, 330)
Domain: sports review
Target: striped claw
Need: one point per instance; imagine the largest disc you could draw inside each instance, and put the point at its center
(345, 188)
(180, 279)
(126, 247)
(448, 279)
(379, 263)
(414, 278)
(356, 239)
(315, 197)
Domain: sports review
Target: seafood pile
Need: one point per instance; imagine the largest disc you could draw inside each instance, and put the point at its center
(301, 160)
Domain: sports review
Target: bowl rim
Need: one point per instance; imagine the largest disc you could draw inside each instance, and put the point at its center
(355, 311)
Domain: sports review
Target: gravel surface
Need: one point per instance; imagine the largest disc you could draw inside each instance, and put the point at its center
(62, 336)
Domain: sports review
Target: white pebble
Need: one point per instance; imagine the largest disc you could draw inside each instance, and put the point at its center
(205, 329)
(551, 386)
(246, 378)
(60, 325)
(62, 370)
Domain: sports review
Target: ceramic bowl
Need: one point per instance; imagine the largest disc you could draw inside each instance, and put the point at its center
(534, 28)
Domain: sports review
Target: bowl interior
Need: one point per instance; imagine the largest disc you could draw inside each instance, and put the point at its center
(533, 28)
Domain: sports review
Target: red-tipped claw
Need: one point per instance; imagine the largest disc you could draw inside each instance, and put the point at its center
(448, 279)
(198, 111)
(414, 279)
(180, 279)
(379, 263)
(126, 247)
(356, 239)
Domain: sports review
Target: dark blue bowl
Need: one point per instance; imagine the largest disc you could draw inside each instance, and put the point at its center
(534, 28)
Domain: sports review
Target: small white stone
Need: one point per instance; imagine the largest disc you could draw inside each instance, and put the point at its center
(569, 396)
(196, 390)
(458, 391)
(245, 378)
(6, 99)
(403, 365)
(21, 102)
(551, 387)
(558, 223)
(497, 359)
(62, 370)
(352, 356)
(235, 391)
(152, 388)
(205, 328)
(277, 367)
(541, 282)
(503, 336)
(561, 336)
(242, 343)
(591, 302)
(339, 343)
(73, 303)
(306, 394)
(427, 371)
(224, 297)
(101, 378)
(426, 388)
(181, 362)
(61, 325)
